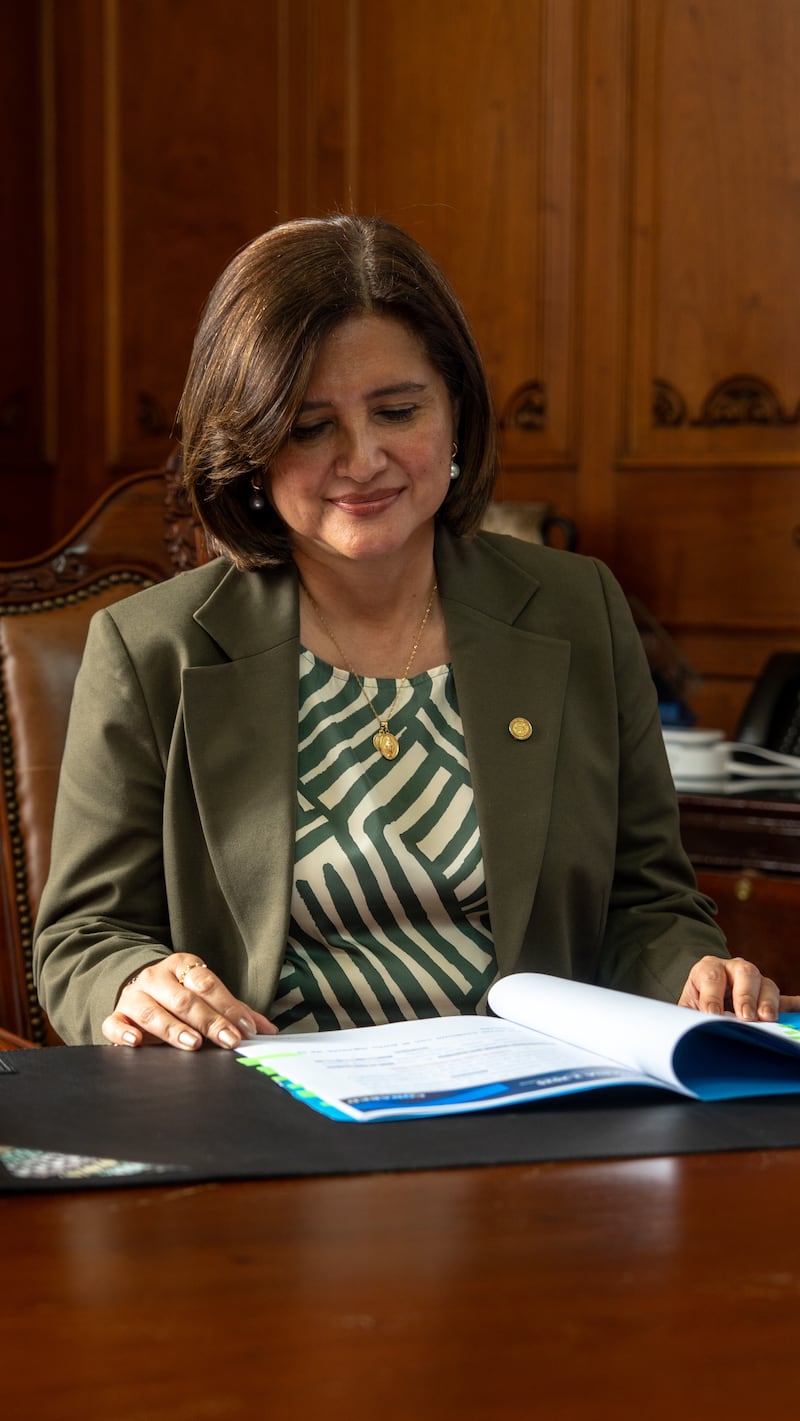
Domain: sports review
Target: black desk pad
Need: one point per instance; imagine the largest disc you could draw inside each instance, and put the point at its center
(157, 1115)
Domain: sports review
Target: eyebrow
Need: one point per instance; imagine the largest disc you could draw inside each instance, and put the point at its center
(405, 387)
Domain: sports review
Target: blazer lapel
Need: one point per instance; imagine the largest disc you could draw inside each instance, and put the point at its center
(504, 671)
(241, 731)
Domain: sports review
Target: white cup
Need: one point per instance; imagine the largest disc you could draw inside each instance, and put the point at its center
(697, 754)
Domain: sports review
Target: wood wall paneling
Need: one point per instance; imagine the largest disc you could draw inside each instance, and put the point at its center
(196, 115)
(168, 142)
(715, 213)
(319, 147)
(76, 36)
(605, 100)
(25, 484)
(613, 187)
(709, 472)
(482, 170)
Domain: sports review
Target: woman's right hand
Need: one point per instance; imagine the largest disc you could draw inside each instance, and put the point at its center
(179, 1000)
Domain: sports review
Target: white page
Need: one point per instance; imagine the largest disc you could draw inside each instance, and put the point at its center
(639, 1033)
(450, 1064)
(407, 1065)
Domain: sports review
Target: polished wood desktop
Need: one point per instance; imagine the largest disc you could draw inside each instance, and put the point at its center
(657, 1287)
(662, 1287)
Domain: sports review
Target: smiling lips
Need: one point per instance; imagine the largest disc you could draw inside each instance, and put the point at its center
(362, 504)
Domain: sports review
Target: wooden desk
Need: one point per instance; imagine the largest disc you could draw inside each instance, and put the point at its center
(658, 1288)
(746, 852)
(743, 831)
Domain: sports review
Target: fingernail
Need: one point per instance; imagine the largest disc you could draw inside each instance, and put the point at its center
(748, 1014)
(228, 1038)
(188, 1038)
(247, 1028)
(130, 1038)
(714, 1009)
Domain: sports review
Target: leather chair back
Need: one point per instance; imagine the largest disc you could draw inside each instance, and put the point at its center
(140, 532)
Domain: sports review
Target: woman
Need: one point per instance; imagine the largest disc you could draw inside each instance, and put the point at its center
(364, 761)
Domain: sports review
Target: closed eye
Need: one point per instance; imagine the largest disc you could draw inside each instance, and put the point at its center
(397, 413)
(304, 433)
(391, 414)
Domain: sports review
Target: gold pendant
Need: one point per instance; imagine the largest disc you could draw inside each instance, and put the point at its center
(386, 743)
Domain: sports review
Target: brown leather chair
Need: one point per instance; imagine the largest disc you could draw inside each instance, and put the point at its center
(141, 531)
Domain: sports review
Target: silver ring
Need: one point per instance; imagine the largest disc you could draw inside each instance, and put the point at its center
(184, 973)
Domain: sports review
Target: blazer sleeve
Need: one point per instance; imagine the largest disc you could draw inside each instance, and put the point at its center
(103, 914)
(658, 923)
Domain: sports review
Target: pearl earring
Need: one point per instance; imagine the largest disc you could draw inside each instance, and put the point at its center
(455, 469)
(256, 501)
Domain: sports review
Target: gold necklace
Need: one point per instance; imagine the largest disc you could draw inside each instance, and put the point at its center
(383, 739)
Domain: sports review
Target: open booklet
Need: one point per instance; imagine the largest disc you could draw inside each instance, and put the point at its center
(549, 1037)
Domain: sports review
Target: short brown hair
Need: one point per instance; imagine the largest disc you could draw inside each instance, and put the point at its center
(256, 346)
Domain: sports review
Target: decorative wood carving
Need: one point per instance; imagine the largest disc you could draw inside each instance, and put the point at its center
(669, 406)
(151, 417)
(156, 530)
(743, 399)
(61, 572)
(736, 400)
(183, 535)
(526, 410)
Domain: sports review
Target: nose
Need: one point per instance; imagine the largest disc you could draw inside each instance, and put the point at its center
(359, 456)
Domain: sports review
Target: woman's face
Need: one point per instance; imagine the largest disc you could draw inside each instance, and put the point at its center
(367, 463)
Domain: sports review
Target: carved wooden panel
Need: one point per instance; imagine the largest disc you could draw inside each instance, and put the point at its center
(466, 133)
(714, 305)
(707, 526)
(613, 187)
(182, 128)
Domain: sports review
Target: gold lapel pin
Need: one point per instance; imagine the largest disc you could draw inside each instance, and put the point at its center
(520, 728)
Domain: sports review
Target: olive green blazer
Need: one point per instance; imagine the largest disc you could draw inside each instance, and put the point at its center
(176, 813)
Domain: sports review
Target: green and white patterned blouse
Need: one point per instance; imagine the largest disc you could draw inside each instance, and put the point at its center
(389, 917)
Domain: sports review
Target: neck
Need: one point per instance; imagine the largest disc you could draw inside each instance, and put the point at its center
(369, 590)
(366, 618)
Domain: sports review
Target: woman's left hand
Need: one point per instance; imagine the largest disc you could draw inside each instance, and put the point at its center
(720, 984)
